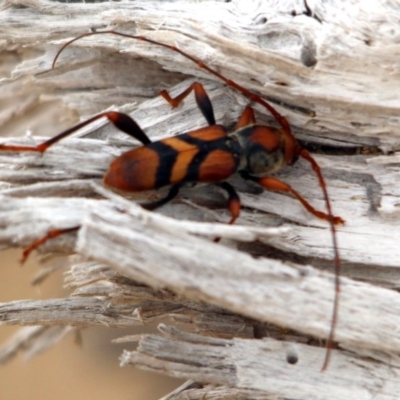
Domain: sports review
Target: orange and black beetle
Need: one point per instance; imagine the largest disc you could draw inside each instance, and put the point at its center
(207, 155)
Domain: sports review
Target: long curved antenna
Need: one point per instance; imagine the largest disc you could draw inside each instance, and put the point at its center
(329, 344)
(252, 96)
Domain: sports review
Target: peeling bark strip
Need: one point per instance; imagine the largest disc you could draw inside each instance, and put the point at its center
(267, 290)
(328, 67)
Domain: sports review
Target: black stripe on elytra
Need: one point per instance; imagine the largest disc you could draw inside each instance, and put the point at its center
(167, 157)
(206, 147)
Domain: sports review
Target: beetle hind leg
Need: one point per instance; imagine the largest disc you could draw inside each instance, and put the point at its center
(51, 234)
(121, 121)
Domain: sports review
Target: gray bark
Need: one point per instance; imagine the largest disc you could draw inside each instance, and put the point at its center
(331, 69)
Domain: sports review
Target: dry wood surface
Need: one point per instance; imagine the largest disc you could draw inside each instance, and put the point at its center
(263, 296)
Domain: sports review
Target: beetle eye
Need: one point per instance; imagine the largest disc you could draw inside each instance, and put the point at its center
(263, 162)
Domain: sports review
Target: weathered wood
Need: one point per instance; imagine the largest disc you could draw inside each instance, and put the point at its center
(197, 391)
(144, 248)
(330, 68)
(260, 365)
(149, 248)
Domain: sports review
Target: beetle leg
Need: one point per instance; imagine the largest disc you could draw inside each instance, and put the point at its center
(247, 118)
(121, 121)
(171, 194)
(52, 234)
(271, 183)
(233, 203)
(233, 200)
(202, 100)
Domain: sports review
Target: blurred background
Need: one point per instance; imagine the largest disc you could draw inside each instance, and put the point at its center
(68, 370)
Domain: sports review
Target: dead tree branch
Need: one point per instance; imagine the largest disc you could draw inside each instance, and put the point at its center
(331, 69)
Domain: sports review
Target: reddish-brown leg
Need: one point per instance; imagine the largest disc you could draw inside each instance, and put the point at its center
(39, 242)
(52, 234)
(202, 100)
(271, 183)
(121, 121)
(247, 118)
(233, 203)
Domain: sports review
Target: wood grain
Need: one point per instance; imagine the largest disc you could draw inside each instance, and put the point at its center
(331, 69)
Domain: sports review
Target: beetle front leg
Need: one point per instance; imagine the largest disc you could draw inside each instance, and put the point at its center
(275, 184)
(202, 100)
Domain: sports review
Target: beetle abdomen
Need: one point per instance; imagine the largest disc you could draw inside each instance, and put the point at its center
(204, 155)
